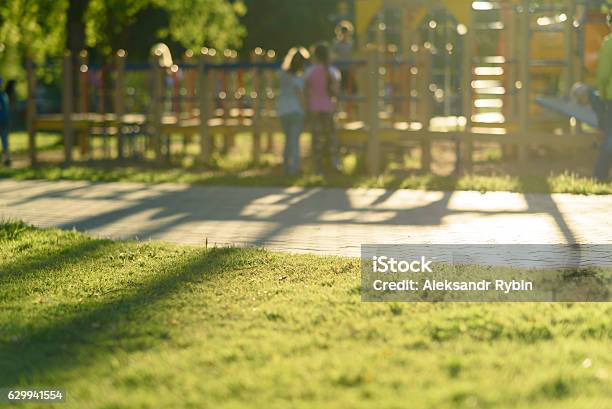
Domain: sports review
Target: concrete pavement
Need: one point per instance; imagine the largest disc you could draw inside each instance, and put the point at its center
(322, 221)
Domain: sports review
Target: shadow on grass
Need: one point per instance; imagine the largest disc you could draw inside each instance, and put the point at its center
(42, 262)
(82, 338)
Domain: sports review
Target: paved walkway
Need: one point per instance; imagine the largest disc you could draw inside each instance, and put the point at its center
(330, 221)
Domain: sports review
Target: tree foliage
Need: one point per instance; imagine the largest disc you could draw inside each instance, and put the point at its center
(38, 27)
(191, 23)
(43, 29)
(34, 27)
(197, 22)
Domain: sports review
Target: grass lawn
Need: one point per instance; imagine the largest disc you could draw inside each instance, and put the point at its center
(235, 169)
(150, 325)
(266, 176)
(44, 141)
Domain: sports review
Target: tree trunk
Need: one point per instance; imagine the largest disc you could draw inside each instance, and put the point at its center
(75, 26)
(75, 42)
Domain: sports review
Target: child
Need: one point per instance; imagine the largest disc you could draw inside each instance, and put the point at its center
(322, 85)
(5, 117)
(604, 84)
(291, 106)
(342, 50)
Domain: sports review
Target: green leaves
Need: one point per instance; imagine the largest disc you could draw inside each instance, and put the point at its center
(106, 19)
(34, 27)
(192, 23)
(38, 27)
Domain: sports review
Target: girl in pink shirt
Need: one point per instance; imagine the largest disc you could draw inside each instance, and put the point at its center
(322, 86)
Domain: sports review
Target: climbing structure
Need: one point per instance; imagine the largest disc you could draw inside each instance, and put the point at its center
(452, 71)
(490, 59)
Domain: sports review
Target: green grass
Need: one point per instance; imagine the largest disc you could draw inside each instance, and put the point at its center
(273, 176)
(149, 325)
(236, 169)
(44, 141)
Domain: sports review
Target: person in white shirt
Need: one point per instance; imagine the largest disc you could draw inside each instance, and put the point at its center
(290, 105)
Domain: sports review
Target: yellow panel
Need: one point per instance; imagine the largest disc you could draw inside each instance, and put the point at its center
(461, 9)
(416, 15)
(547, 46)
(365, 10)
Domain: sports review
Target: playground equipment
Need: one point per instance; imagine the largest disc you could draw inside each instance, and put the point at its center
(424, 75)
(492, 61)
(570, 109)
(149, 101)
